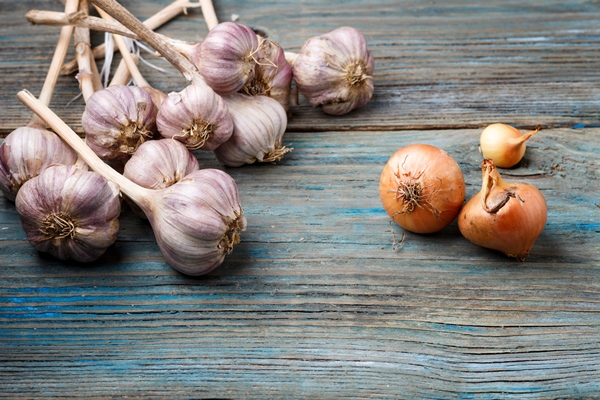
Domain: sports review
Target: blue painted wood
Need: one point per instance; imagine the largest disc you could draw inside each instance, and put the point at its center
(316, 302)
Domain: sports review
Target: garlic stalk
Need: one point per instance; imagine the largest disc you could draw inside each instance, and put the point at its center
(334, 71)
(88, 77)
(157, 96)
(196, 221)
(259, 125)
(122, 75)
(52, 18)
(155, 21)
(69, 212)
(28, 150)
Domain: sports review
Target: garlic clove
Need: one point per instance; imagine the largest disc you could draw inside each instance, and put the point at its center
(69, 212)
(198, 221)
(259, 125)
(27, 151)
(117, 120)
(196, 116)
(226, 57)
(334, 71)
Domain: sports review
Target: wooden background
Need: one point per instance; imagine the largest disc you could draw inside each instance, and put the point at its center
(316, 302)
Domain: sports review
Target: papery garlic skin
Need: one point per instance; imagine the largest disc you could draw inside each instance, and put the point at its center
(198, 221)
(117, 120)
(334, 71)
(27, 151)
(69, 212)
(273, 74)
(158, 164)
(225, 58)
(259, 125)
(196, 116)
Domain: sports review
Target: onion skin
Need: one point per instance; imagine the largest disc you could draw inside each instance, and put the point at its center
(422, 188)
(503, 216)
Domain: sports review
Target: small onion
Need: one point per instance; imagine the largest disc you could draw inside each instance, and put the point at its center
(504, 144)
(504, 216)
(422, 188)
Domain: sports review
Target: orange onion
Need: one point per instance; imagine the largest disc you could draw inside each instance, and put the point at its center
(504, 144)
(504, 216)
(422, 188)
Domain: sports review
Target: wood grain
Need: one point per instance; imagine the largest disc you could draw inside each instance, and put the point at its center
(439, 65)
(316, 301)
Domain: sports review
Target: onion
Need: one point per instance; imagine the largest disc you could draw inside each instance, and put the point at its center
(504, 216)
(504, 144)
(422, 188)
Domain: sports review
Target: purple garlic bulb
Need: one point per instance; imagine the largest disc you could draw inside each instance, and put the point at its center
(117, 120)
(334, 71)
(226, 57)
(158, 164)
(69, 212)
(196, 116)
(197, 221)
(273, 74)
(26, 152)
(259, 125)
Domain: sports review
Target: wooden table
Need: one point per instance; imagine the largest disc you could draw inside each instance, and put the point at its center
(316, 302)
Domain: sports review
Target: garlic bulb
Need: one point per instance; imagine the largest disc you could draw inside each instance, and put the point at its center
(196, 116)
(196, 221)
(117, 120)
(26, 152)
(334, 71)
(226, 57)
(259, 125)
(158, 164)
(69, 212)
(273, 74)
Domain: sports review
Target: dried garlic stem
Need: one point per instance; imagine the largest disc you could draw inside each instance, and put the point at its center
(121, 14)
(153, 22)
(93, 23)
(127, 58)
(132, 190)
(208, 11)
(60, 53)
(122, 74)
(84, 58)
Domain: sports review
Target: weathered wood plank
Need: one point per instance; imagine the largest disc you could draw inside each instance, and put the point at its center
(438, 65)
(314, 302)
